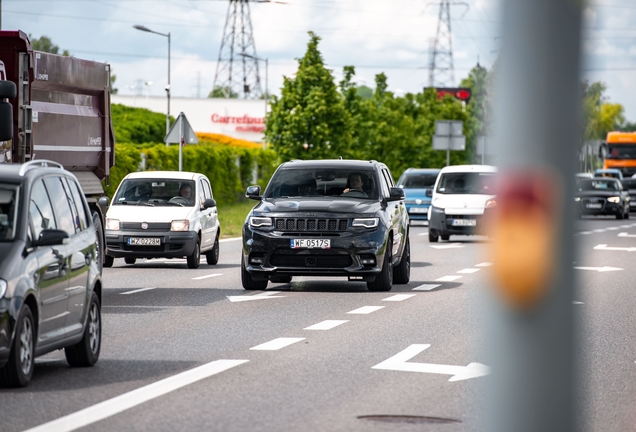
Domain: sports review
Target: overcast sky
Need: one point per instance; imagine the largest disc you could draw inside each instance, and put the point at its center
(390, 36)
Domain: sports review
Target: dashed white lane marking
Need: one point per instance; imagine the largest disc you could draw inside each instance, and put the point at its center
(469, 270)
(585, 232)
(365, 310)
(598, 230)
(626, 235)
(208, 276)
(229, 239)
(613, 228)
(276, 344)
(484, 264)
(138, 290)
(136, 397)
(447, 246)
(448, 278)
(426, 287)
(326, 325)
(399, 297)
(577, 302)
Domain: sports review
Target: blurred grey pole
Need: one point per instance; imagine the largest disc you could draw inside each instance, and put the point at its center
(537, 118)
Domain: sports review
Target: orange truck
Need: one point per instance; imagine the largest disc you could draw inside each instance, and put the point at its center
(619, 151)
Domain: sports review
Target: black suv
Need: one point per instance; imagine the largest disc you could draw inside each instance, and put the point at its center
(327, 218)
(50, 277)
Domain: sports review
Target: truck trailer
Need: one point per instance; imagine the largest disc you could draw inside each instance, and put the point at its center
(60, 112)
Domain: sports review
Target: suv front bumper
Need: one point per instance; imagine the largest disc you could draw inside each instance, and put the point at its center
(173, 244)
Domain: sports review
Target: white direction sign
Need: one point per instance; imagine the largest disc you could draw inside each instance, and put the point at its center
(599, 269)
(400, 362)
(261, 296)
(605, 247)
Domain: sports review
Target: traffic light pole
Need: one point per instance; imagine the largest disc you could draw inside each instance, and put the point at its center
(531, 338)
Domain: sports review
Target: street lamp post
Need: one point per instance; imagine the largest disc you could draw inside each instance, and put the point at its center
(146, 29)
(266, 83)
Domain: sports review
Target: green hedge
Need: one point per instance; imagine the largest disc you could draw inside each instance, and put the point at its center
(229, 169)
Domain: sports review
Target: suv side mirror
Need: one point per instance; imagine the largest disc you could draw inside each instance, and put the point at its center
(208, 203)
(429, 192)
(396, 194)
(254, 192)
(7, 90)
(51, 237)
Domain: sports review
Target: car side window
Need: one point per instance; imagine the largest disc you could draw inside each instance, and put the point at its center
(78, 203)
(207, 188)
(202, 191)
(61, 207)
(384, 185)
(388, 176)
(40, 210)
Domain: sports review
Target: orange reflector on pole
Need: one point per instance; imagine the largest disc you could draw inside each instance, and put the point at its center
(523, 230)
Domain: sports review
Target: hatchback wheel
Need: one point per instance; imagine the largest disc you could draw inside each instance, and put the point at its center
(18, 370)
(212, 256)
(86, 351)
(195, 258)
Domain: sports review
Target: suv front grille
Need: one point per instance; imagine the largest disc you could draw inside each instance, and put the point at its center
(333, 258)
(304, 224)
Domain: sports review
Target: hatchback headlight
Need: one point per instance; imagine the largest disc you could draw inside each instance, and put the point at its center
(614, 199)
(258, 222)
(3, 288)
(366, 222)
(180, 225)
(112, 224)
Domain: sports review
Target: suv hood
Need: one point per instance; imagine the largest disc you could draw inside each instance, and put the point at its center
(464, 204)
(135, 213)
(340, 205)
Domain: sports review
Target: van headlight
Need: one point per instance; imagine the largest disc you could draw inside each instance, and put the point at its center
(112, 224)
(614, 199)
(366, 222)
(258, 222)
(438, 202)
(180, 225)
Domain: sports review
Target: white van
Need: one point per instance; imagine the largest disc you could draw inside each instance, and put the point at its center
(163, 214)
(460, 196)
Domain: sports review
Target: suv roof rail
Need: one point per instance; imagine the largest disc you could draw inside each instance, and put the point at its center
(38, 163)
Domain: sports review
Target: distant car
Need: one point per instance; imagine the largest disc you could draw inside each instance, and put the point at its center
(460, 197)
(602, 196)
(327, 218)
(50, 273)
(629, 184)
(583, 175)
(418, 188)
(163, 214)
(609, 172)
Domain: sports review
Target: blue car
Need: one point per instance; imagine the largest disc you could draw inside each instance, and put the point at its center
(418, 189)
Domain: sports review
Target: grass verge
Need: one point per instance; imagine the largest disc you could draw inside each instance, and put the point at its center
(232, 217)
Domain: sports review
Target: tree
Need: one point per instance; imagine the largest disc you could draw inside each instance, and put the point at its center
(44, 43)
(113, 78)
(309, 120)
(599, 115)
(221, 92)
(364, 92)
(479, 107)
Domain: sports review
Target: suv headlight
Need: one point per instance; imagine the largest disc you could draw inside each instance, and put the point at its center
(614, 199)
(258, 222)
(3, 288)
(366, 222)
(180, 225)
(112, 224)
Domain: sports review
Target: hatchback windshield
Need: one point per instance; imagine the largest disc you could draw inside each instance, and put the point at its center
(592, 185)
(8, 214)
(319, 182)
(418, 180)
(466, 183)
(156, 192)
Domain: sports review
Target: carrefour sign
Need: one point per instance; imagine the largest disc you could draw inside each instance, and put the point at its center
(244, 123)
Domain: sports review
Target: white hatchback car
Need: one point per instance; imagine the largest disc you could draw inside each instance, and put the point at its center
(460, 196)
(163, 214)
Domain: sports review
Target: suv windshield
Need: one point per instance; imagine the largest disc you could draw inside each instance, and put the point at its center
(591, 185)
(156, 192)
(418, 180)
(318, 182)
(466, 183)
(8, 214)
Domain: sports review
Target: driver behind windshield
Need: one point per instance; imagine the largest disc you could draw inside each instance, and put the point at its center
(354, 182)
(185, 191)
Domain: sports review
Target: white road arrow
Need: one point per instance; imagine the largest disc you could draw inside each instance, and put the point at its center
(599, 269)
(262, 296)
(604, 247)
(626, 235)
(400, 362)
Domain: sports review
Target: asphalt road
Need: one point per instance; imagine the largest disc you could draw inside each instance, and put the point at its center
(191, 350)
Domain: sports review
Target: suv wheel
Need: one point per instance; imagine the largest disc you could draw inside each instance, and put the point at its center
(130, 260)
(384, 281)
(248, 282)
(195, 258)
(86, 352)
(212, 256)
(432, 238)
(19, 369)
(108, 261)
(402, 272)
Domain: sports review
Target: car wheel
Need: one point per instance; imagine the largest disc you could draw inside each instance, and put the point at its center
(86, 351)
(99, 232)
(280, 279)
(402, 272)
(445, 237)
(432, 238)
(108, 261)
(195, 258)
(384, 281)
(212, 256)
(130, 260)
(18, 370)
(248, 282)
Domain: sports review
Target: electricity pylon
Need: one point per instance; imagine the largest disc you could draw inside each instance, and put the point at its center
(441, 71)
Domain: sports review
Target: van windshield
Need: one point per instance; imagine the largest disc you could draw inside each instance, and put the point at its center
(466, 183)
(156, 192)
